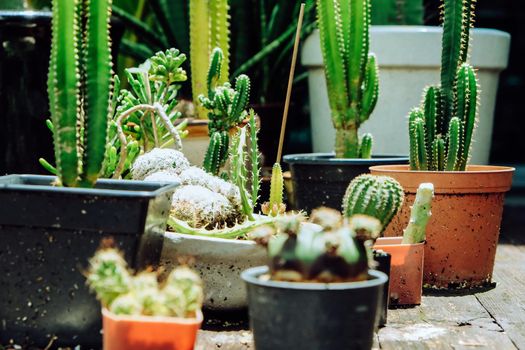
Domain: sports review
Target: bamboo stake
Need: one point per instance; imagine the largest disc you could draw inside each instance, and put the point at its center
(290, 82)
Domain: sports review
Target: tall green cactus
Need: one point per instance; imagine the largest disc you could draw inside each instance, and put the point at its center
(275, 206)
(209, 28)
(79, 88)
(440, 131)
(351, 71)
(378, 196)
(226, 109)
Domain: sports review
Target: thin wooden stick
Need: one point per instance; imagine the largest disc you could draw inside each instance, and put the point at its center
(290, 82)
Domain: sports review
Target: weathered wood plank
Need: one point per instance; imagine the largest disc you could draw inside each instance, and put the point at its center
(506, 303)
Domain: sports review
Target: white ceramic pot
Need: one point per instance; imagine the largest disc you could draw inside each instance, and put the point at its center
(219, 262)
(409, 59)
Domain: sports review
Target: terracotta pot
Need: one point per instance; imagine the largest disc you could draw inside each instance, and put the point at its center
(406, 270)
(463, 231)
(149, 332)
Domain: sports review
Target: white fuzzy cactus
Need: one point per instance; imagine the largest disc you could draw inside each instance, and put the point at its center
(159, 159)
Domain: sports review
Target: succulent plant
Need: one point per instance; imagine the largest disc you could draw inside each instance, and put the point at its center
(124, 293)
(440, 131)
(276, 205)
(420, 213)
(209, 29)
(226, 110)
(351, 71)
(378, 196)
(306, 253)
(79, 88)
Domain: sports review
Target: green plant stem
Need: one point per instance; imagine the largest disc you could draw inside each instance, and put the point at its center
(346, 143)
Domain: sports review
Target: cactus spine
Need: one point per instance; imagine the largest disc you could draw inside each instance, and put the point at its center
(441, 129)
(79, 88)
(209, 28)
(226, 109)
(380, 197)
(415, 231)
(351, 71)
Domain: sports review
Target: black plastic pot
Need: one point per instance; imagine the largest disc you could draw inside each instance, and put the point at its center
(320, 179)
(47, 235)
(291, 315)
(383, 260)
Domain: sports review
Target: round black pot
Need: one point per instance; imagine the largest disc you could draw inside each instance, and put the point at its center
(320, 179)
(291, 315)
(383, 260)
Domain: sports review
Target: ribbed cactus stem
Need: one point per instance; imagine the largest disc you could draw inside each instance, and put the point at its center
(212, 159)
(377, 196)
(454, 145)
(276, 191)
(420, 213)
(365, 146)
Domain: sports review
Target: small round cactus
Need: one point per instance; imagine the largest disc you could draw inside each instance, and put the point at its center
(159, 159)
(380, 197)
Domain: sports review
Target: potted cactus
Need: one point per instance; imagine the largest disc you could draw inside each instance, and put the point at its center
(141, 313)
(397, 29)
(406, 271)
(469, 198)
(352, 81)
(49, 225)
(318, 291)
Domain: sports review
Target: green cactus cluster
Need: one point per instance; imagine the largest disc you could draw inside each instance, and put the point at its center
(226, 108)
(378, 196)
(124, 293)
(209, 29)
(420, 213)
(307, 253)
(79, 88)
(351, 72)
(440, 131)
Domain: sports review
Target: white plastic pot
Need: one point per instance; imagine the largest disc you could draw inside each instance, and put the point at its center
(409, 59)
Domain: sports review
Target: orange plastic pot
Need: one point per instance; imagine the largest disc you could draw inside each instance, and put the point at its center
(406, 270)
(149, 332)
(463, 232)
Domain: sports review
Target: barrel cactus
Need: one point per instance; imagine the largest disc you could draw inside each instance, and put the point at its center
(351, 71)
(305, 253)
(378, 196)
(441, 129)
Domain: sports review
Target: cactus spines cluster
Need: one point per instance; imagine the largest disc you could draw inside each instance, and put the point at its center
(380, 197)
(351, 71)
(79, 88)
(226, 109)
(440, 131)
(209, 28)
(420, 213)
(276, 205)
(125, 293)
(303, 253)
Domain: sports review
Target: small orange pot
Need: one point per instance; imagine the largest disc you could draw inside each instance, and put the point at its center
(149, 332)
(463, 232)
(406, 270)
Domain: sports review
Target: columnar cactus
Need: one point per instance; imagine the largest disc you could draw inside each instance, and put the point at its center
(209, 28)
(380, 197)
(124, 293)
(79, 88)
(226, 109)
(441, 129)
(276, 205)
(351, 71)
(420, 213)
(303, 253)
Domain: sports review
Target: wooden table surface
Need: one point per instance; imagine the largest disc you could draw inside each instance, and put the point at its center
(494, 319)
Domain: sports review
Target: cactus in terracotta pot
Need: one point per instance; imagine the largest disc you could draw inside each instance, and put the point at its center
(351, 72)
(440, 131)
(377, 196)
(306, 253)
(420, 213)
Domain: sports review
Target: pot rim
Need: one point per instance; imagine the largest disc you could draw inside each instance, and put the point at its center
(153, 319)
(480, 169)
(251, 276)
(329, 159)
(379, 243)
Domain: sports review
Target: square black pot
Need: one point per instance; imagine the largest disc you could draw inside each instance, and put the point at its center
(47, 235)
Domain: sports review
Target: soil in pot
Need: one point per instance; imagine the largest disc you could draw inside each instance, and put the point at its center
(319, 179)
(406, 271)
(149, 332)
(288, 315)
(462, 234)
